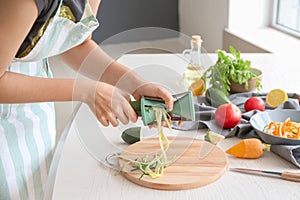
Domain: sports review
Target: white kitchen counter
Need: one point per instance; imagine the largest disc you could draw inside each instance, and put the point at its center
(78, 171)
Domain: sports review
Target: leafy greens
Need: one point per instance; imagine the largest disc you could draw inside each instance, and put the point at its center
(230, 68)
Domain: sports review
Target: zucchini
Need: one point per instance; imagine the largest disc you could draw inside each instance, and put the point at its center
(216, 97)
(213, 137)
(131, 135)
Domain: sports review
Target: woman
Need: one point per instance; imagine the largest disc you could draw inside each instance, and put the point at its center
(28, 36)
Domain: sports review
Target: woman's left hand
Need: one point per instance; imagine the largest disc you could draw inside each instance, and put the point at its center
(152, 90)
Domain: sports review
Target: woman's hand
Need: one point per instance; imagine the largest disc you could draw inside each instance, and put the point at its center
(110, 104)
(152, 90)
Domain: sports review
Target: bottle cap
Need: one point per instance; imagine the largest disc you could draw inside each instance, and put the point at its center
(196, 38)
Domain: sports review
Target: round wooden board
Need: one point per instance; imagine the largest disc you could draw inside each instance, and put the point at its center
(187, 172)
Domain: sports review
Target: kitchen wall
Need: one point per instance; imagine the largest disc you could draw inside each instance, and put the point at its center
(205, 17)
(208, 18)
(244, 18)
(116, 16)
(227, 22)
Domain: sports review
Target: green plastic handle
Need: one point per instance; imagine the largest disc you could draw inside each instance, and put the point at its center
(183, 107)
(136, 105)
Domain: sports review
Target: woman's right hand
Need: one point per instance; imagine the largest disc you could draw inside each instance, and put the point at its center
(110, 104)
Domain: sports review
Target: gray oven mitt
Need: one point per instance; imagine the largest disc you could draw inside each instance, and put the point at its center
(205, 119)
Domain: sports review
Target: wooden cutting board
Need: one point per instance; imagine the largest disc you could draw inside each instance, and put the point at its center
(187, 172)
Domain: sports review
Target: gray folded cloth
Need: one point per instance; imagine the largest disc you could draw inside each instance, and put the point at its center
(205, 119)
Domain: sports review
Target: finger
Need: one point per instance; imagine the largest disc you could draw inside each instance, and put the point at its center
(136, 96)
(105, 117)
(112, 119)
(129, 112)
(170, 103)
(123, 119)
(100, 117)
(123, 93)
(103, 120)
(120, 108)
(164, 94)
(127, 97)
(122, 116)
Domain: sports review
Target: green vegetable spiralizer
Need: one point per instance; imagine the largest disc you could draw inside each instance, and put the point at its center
(183, 108)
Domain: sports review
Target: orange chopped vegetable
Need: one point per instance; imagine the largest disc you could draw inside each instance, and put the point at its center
(248, 148)
(285, 129)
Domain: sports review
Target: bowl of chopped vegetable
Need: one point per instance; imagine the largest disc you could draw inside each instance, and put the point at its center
(280, 126)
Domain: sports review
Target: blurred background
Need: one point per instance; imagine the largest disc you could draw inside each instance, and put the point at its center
(251, 26)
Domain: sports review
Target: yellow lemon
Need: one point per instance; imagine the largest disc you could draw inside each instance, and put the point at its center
(276, 97)
(197, 87)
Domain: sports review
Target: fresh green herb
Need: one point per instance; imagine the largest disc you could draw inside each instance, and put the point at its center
(230, 68)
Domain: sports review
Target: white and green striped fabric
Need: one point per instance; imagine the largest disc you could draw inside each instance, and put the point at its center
(27, 131)
(27, 136)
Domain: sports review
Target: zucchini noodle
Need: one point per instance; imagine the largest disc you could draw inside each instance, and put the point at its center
(153, 166)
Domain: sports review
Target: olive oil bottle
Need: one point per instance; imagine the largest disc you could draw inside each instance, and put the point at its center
(194, 71)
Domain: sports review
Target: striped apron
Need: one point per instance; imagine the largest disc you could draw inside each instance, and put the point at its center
(27, 131)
